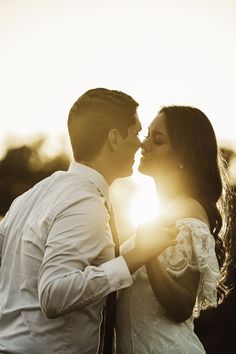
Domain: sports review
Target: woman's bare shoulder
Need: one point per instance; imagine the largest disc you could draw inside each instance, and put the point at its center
(186, 207)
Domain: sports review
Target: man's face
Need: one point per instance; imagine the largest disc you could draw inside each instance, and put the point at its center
(128, 148)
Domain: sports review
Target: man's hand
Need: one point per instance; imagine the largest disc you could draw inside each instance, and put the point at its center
(151, 240)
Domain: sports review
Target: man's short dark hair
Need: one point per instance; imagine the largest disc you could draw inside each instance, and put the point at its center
(93, 115)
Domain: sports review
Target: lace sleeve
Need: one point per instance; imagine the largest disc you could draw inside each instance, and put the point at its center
(195, 250)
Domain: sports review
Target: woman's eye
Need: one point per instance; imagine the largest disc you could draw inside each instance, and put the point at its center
(158, 140)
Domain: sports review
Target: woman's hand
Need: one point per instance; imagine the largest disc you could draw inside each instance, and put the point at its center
(153, 238)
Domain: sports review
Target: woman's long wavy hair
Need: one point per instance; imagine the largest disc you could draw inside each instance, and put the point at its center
(193, 138)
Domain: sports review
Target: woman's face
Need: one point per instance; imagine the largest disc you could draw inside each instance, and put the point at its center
(158, 155)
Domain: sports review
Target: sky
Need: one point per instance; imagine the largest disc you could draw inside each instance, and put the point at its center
(159, 51)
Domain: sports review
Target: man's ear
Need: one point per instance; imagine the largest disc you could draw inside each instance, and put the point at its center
(114, 138)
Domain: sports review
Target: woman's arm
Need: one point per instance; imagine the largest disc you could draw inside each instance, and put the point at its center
(176, 295)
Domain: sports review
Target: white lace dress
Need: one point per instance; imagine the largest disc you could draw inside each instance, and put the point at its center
(143, 326)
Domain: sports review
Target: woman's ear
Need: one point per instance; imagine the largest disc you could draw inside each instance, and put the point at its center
(114, 138)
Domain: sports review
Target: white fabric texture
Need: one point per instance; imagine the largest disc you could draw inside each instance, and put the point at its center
(143, 325)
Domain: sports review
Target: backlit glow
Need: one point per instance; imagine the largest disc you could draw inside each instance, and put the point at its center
(160, 52)
(145, 206)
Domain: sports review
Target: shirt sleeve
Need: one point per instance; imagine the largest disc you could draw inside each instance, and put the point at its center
(68, 277)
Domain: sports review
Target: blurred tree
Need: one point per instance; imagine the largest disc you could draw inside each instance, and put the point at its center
(24, 166)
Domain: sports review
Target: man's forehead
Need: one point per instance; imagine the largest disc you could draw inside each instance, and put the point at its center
(138, 125)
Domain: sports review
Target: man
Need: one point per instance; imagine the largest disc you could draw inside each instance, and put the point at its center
(58, 262)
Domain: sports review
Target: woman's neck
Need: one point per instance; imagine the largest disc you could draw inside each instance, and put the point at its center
(170, 190)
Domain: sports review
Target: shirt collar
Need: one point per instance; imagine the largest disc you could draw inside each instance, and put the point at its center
(94, 177)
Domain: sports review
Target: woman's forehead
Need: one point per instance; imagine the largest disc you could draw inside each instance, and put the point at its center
(158, 123)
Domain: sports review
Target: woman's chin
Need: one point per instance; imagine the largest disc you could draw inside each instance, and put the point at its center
(143, 169)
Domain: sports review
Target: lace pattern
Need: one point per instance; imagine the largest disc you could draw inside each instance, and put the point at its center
(195, 249)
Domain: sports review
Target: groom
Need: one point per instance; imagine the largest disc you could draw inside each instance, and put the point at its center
(58, 262)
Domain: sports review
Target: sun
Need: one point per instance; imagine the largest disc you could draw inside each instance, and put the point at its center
(145, 205)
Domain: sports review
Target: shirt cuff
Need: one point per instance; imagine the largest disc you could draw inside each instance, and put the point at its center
(117, 273)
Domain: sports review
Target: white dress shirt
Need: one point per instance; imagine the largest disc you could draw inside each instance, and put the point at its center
(58, 265)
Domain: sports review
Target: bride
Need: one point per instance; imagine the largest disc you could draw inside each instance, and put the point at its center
(155, 314)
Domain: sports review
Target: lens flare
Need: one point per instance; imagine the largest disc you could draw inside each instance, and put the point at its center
(145, 206)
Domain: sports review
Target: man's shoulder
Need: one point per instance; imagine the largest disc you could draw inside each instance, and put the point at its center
(69, 188)
(69, 182)
(74, 193)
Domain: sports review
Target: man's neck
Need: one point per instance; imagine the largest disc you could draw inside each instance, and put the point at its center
(101, 167)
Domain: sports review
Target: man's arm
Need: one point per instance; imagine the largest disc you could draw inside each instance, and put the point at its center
(68, 278)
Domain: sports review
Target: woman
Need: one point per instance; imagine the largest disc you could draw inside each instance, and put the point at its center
(156, 314)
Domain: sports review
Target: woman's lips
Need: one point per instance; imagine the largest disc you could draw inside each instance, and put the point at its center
(145, 158)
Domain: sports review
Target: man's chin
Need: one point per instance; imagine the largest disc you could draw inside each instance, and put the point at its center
(130, 172)
(126, 173)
